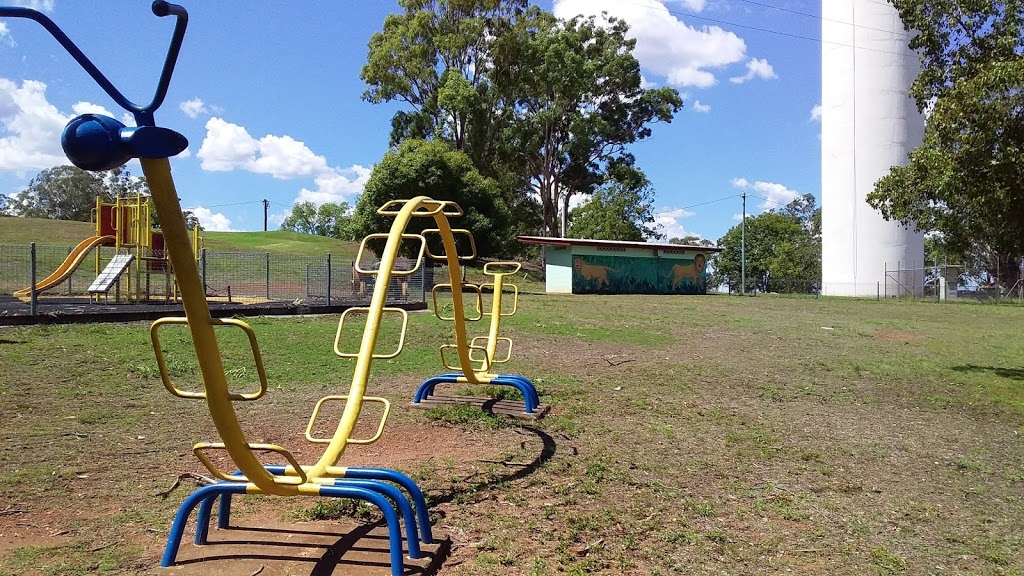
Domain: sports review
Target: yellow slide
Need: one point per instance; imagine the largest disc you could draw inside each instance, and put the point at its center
(69, 266)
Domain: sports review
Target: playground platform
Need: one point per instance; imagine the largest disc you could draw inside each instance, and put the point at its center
(69, 310)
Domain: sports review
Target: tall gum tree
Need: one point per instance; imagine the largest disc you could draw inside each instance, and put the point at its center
(966, 181)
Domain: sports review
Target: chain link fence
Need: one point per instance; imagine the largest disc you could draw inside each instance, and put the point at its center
(242, 277)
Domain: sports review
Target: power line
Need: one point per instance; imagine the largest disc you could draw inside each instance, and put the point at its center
(711, 202)
(767, 200)
(765, 30)
(235, 204)
(816, 17)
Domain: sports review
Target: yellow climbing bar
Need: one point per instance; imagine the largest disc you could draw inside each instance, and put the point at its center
(324, 400)
(362, 248)
(161, 362)
(401, 337)
(200, 451)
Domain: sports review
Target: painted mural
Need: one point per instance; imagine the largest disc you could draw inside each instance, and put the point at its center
(630, 275)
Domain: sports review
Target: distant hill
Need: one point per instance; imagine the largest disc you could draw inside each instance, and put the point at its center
(14, 230)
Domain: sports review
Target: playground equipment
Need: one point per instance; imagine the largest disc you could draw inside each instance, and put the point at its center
(98, 143)
(125, 225)
(483, 349)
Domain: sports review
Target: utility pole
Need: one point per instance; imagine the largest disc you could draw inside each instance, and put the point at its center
(743, 249)
(266, 207)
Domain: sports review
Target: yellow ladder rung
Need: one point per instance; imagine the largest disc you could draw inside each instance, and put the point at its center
(200, 451)
(464, 286)
(508, 353)
(325, 399)
(515, 297)
(426, 208)
(165, 376)
(461, 257)
(401, 338)
(485, 363)
(419, 257)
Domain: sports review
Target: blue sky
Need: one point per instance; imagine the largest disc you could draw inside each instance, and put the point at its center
(269, 98)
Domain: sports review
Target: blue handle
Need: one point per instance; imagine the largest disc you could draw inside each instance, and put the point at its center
(143, 114)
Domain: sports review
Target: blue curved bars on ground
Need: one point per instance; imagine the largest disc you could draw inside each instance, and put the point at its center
(531, 399)
(143, 114)
(396, 496)
(419, 502)
(209, 493)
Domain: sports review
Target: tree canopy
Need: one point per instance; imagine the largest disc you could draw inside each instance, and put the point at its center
(69, 193)
(542, 107)
(430, 168)
(966, 181)
(579, 108)
(330, 219)
(783, 250)
(622, 210)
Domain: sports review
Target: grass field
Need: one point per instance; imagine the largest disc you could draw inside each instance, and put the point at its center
(63, 233)
(688, 435)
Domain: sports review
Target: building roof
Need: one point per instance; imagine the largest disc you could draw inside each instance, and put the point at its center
(548, 241)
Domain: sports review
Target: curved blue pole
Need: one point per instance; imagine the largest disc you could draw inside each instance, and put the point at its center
(143, 114)
(531, 400)
(410, 486)
(400, 501)
(181, 518)
(209, 493)
(375, 498)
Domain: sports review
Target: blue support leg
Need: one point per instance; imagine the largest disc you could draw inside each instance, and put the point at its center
(396, 496)
(203, 519)
(422, 515)
(224, 513)
(390, 518)
(185, 510)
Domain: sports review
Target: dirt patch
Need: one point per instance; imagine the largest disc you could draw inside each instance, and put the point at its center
(898, 336)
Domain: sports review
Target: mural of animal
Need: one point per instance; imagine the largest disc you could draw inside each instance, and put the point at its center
(592, 272)
(693, 272)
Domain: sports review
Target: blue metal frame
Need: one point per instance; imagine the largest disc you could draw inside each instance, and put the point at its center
(143, 114)
(375, 479)
(531, 400)
(211, 492)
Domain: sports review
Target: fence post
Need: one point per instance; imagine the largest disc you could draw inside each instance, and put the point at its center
(878, 290)
(328, 278)
(202, 268)
(268, 275)
(70, 249)
(423, 281)
(32, 279)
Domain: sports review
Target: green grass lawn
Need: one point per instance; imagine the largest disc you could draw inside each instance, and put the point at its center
(687, 435)
(64, 233)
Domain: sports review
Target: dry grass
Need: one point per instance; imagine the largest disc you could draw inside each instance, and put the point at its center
(688, 435)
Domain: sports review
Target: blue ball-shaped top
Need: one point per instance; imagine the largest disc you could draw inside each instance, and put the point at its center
(93, 142)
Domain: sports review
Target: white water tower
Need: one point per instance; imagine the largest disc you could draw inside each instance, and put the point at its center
(869, 123)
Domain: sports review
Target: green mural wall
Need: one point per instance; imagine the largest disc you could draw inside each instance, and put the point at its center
(603, 274)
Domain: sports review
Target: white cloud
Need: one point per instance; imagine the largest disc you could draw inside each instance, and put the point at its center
(194, 107)
(756, 68)
(644, 82)
(816, 113)
(31, 127)
(665, 45)
(737, 217)
(771, 194)
(699, 106)
(694, 5)
(186, 153)
(212, 221)
(336, 185)
(667, 221)
(5, 34)
(229, 146)
(40, 5)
